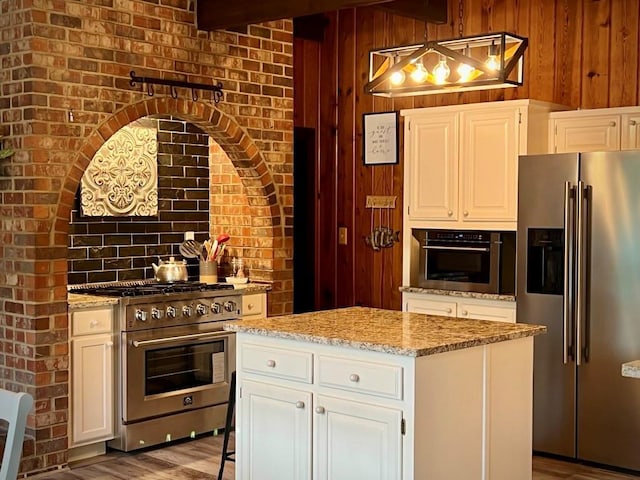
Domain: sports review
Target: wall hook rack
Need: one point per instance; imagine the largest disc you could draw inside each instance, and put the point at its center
(150, 81)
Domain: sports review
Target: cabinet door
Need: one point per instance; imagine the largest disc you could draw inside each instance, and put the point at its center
(487, 312)
(488, 164)
(92, 388)
(277, 442)
(430, 306)
(630, 124)
(356, 440)
(432, 173)
(587, 134)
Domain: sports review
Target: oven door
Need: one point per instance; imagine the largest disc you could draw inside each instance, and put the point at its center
(173, 369)
(461, 265)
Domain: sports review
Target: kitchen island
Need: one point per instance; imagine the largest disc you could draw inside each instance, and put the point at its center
(379, 394)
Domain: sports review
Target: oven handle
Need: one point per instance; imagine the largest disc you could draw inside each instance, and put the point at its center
(468, 249)
(156, 341)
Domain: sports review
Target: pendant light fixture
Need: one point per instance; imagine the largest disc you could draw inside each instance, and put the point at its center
(487, 61)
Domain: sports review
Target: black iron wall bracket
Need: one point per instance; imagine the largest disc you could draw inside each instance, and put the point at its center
(175, 84)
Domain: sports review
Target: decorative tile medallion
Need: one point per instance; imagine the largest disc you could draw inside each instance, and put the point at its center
(122, 178)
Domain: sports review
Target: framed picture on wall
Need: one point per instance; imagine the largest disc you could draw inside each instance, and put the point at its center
(380, 138)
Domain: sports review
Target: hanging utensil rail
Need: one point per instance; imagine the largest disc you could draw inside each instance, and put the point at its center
(150, 81)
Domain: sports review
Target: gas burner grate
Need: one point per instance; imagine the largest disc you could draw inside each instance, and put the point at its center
(156, 288)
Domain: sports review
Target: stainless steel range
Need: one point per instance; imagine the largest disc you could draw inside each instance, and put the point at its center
(174, 360)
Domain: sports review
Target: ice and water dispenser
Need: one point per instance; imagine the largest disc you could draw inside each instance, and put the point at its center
(545, 257)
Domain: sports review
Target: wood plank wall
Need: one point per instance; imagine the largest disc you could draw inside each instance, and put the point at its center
(582, 53)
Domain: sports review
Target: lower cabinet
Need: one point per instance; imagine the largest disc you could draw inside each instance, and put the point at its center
(307, 411)
(92, 360)
(448, 306)
(349, 438)
(277, 442)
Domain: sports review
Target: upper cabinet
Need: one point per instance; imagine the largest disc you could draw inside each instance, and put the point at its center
(461, 162)
(601, 129)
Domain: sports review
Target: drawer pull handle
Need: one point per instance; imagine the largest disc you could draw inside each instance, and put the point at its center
(109, 344)
(465, 213)
(250, 306)
(93, 323)
(271, 363)
(320, 410)
(612, 124)
(464, 313)
(633, 123)
(299, 404)
(354, 377)
(449, 310)
(450, 213)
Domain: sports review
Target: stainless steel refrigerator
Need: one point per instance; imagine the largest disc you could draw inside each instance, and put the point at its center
(578, 273)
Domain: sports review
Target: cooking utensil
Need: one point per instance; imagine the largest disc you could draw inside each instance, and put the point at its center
(191, 249)
(223, 237)
(171, 271)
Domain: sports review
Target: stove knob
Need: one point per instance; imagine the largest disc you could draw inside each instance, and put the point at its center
(187, 311)
(216, 307)
(171, 312)
(201, 309)
(141, 315)
(156, 313)
(230, 306)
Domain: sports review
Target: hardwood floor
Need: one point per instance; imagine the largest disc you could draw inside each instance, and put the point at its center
(200, 460)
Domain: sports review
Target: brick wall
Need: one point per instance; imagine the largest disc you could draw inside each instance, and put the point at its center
(63, 57)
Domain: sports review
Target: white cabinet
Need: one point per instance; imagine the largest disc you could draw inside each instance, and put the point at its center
(461, 162)
(92, 359)
(451, 306)
(464, 414)
(277, 442)
(254, 305)
(356, 440)
(302, 411)
(603, 129)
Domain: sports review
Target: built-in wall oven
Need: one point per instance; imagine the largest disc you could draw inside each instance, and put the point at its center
(466, 260)
(174, 360)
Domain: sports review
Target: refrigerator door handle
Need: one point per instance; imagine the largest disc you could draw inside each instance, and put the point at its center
(580, 202)
(567, 293)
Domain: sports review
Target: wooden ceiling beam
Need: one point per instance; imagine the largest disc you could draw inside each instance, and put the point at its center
(216, 14)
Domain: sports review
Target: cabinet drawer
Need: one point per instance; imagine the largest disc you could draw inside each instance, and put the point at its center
(487, 312)
(89, 322)
(254, 305)
(432, 307)
(277, 362)
(371, 378)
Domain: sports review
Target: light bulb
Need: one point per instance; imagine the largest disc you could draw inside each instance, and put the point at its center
(492, 59)
(441, 71)
(397, 78)
(419, 75)
(465, 72)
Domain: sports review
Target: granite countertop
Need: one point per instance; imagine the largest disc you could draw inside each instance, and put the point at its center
(631, 369)
(388, 331)
(78, 301)
(458, 293)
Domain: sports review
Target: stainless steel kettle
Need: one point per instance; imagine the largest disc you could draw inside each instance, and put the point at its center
(171, 271)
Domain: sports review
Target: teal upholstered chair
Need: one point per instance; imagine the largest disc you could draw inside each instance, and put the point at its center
(14, 408)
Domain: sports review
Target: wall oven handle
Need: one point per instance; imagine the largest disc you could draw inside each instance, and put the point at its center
(158, 341)
(467, 249)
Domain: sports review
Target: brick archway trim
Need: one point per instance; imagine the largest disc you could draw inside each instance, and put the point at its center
(237, 144)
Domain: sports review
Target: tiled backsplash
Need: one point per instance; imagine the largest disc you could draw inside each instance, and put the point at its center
(104, 249)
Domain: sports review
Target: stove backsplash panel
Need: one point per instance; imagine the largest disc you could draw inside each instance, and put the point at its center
(106, 249)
